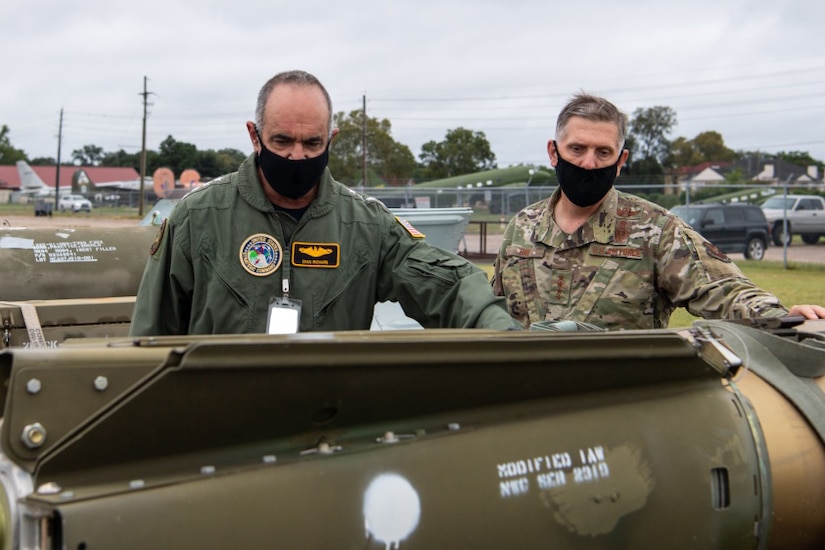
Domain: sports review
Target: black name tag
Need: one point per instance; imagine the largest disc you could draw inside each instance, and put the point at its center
(323, 255)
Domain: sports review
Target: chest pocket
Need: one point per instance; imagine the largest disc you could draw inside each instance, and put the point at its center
(589, 286)
(618, 297)
(519, 283)
(231, 298)
(342, 298)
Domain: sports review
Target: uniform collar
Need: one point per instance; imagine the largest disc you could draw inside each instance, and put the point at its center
(600, 227)
(250, 188)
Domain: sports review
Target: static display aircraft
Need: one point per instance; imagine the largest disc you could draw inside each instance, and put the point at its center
(469, 188)
(32, 185)
(130, 185)
(497, 177)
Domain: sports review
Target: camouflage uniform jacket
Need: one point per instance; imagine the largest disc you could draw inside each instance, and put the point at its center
(628, 267)
(225, 252)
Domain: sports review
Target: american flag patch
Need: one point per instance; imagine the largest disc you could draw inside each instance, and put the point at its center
(414, 233)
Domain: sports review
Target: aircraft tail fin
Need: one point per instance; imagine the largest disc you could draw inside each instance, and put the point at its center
(29, 180)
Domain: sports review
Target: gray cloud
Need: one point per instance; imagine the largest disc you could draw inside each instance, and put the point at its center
(752, 70)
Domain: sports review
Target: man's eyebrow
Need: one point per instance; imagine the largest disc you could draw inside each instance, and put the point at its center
(286, 137)
(281, 137)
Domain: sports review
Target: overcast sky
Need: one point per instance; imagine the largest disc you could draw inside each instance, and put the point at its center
(752, 70)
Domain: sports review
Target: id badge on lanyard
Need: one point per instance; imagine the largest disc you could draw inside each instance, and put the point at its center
(284, 315)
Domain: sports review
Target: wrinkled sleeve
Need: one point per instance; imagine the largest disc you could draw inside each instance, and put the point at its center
(498, 263)
(164, 298)
(437, 288)
(693, 274)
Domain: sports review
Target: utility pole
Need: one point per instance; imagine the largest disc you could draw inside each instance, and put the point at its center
(364, 143)
(145, 95)
(57, 177)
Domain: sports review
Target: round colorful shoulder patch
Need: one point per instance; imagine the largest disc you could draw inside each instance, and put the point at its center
(261, 254)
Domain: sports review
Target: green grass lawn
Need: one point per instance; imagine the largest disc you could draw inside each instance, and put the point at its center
(119, 212)
(799, 284)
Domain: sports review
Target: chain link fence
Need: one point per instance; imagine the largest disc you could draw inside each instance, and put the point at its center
(507, 200)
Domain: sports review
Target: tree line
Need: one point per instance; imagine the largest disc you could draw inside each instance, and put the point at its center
(365, 153)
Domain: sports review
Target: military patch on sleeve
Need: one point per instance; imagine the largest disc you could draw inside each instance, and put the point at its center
(414, 233)
(714, 252)
(158, 238)
(324, 255)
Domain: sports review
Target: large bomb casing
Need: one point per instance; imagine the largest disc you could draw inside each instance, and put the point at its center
(61, 320)
(76, 262)
(433, 439)
(73, 282)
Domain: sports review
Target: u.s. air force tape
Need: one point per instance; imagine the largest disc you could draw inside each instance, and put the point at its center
(261, 254)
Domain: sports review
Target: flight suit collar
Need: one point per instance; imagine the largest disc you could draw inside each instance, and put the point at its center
(250, 188)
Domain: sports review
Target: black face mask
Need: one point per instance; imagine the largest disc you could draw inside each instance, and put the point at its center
(291, 178)
(584, 187)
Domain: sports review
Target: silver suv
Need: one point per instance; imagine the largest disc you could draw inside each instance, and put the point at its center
(75, 203)
(805, 216)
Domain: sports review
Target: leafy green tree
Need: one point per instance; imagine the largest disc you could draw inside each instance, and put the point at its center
(705, 147)
(799, 158)
(388, 162)
(121, 158)
(177, 155)
(211, 164)
(462, 152)
(649, 128)
(735, 177)
(711, 147)
(88, 155)
(683, 153)
(43, 161)
(8, 153)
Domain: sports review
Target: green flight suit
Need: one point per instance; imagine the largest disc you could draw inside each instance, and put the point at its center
(225, 252)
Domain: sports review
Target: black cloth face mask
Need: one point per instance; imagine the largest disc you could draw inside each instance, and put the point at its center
(585, 187)
(291, 178)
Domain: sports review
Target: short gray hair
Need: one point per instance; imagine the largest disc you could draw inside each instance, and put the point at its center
(294, 78)
(593, 108)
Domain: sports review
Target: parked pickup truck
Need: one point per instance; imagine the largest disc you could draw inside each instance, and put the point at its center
(805, 215)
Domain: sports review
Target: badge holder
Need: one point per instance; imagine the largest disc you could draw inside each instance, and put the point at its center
(284, 316)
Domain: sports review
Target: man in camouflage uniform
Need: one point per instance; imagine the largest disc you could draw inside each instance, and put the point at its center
(592, 254)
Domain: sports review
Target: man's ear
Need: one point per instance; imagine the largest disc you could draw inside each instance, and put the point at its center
(253, 135)
(622, 161)
(552, 153)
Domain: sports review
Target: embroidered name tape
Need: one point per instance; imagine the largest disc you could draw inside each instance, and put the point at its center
(615, 251)
(323, 255)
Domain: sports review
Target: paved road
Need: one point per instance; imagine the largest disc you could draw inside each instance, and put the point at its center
(802, 253)
(799, 253)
